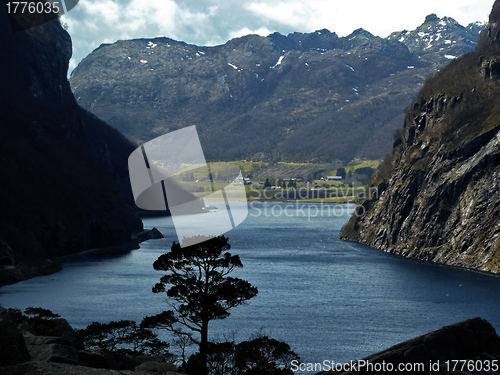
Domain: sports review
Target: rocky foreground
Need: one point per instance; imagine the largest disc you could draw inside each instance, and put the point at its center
(59, 353)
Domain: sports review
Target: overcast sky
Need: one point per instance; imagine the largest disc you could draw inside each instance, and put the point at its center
(212, 22)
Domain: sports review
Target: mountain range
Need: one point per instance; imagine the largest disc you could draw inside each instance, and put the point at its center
(310, 97)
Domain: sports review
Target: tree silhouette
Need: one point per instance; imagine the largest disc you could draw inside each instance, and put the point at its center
(124, 336)
(342, 173)
(260, 356)
(199, 289)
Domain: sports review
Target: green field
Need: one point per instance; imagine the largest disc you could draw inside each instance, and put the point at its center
(273, 171)
(356, 164)
(197, 181)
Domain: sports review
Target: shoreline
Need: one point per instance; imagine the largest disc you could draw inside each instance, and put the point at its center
(315, 200)
(9, 276)
(431, 262)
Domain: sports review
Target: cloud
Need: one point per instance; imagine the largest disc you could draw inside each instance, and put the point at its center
(106, 11)
(296, 14)
(262, 31)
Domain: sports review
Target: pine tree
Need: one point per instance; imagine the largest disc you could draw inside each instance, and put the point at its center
(199, 289)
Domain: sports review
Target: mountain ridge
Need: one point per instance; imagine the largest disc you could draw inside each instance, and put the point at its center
(259, 98)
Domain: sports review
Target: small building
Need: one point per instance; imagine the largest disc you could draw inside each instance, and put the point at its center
(252, 182)
(334, 178)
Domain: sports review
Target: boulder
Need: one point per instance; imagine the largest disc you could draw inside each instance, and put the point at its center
(143, 358)
(51, 349)
(157, 368)
(473, 339)
(37, 368)
(13, 349)
(117, 361)
(91, 359)
(64, 330)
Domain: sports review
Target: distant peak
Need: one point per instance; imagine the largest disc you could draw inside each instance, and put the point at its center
(449, 20)
(276, 35)
(477, 23)
(361, 33)
(431, 18)
(323, 31)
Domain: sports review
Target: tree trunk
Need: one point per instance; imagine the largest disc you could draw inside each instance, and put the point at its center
(204, 348)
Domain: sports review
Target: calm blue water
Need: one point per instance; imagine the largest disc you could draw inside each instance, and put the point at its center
(329, 299)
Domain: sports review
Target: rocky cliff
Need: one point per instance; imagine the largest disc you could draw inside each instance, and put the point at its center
(300, 97)
(437, 197)
(63, 172)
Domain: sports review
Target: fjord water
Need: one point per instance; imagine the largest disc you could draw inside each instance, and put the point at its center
(329, 299)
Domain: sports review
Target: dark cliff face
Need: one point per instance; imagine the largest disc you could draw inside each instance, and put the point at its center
(301, 97)
(63, 172)
(438, 193)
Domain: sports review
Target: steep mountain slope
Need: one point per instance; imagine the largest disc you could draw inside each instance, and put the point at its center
(301, 97)
(63, 171)
(436, 197)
